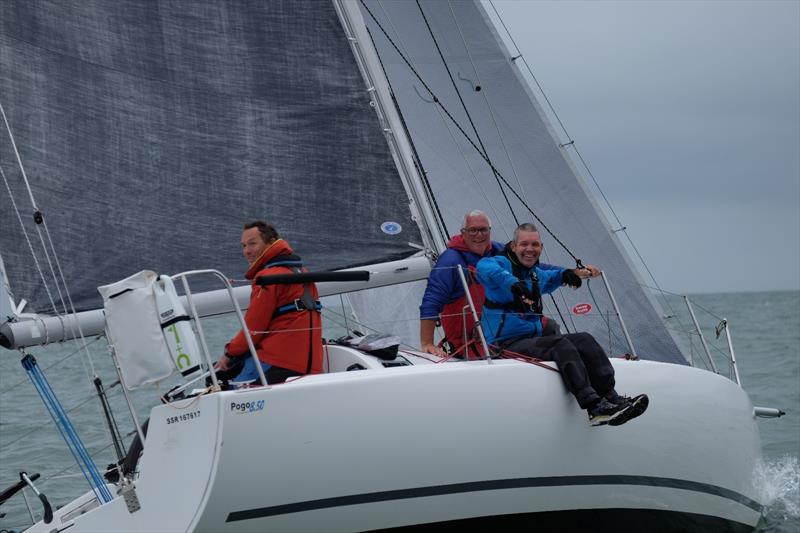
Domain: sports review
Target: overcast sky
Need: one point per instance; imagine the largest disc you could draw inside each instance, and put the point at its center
(688, 115)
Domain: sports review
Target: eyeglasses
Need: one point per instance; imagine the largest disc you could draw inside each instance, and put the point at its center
(475, 231)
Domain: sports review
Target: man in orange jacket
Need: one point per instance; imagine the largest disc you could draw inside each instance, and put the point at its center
(284, 321)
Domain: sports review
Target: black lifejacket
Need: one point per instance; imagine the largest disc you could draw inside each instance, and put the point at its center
(522, 273)
(305, 302)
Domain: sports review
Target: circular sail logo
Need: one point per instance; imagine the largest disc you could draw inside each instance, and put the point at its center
(391, 228)
(581, 309)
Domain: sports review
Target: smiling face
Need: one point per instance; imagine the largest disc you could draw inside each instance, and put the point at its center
(527, 247)
(477, 233)
(253, 244)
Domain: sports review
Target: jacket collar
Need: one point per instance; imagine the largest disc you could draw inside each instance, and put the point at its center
(518, 269)
(456, 242)
(279, 247)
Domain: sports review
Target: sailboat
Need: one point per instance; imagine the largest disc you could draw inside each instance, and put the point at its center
(142, 134)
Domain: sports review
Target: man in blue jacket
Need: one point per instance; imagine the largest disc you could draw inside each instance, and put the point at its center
(445, 298)
(511, 320)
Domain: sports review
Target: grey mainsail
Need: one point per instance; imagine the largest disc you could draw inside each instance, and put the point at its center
(150, 131)
(521, 145)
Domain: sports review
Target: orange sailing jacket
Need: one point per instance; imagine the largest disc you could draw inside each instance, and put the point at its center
(292, 340)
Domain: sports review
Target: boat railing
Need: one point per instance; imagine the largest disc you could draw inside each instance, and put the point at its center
(184, 278)
(730, 355)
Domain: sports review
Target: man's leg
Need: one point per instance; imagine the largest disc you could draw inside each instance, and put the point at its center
(559, 349)
(599, 368)
(601, 374)
(276, 375)
(249, 372)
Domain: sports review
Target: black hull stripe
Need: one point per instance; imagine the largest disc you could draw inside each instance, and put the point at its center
(586, 520)
(500, 484)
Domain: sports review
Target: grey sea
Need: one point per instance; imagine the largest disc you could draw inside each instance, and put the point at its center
(766, 337)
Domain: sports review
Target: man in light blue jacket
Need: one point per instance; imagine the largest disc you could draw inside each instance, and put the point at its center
(511, 320)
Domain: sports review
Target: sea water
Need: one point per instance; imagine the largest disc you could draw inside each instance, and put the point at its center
(765, 328)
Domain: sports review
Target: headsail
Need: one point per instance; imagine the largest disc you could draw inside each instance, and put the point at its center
(150, 137)
(476, 67)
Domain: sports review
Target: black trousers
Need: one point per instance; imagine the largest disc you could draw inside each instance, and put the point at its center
(583, 363)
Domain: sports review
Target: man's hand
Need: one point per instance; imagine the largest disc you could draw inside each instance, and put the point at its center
(523, 297)
(433, 349)
(588, 271)
(521, 292)
(224, 363)
(571, 278)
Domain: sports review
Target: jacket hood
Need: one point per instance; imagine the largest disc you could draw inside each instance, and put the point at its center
(456, 242)
(279, 247)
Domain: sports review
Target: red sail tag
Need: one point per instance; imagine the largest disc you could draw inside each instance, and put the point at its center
(581, 309)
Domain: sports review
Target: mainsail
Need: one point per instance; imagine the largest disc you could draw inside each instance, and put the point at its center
(453, 49)
(150, 131)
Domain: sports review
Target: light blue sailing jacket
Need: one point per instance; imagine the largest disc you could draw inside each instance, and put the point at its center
(496, 276)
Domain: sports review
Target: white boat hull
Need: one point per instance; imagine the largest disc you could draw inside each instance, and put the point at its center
(500, 443)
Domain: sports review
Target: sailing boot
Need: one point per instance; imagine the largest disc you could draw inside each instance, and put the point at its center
(604, 412)
(637, 406)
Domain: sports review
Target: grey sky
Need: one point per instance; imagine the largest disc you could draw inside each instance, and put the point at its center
(688, 115)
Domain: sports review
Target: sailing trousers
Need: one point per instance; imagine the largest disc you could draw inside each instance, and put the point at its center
(583, 363)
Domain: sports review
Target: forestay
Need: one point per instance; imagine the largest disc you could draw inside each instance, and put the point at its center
(521, 145)
(150, 131)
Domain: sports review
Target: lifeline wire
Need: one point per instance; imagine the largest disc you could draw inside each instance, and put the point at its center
(66, 429)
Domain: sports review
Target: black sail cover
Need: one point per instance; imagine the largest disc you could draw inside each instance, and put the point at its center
(521, 145)
(150, 131)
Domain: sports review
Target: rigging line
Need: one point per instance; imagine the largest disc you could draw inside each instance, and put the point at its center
(44, 369)
(495, 212)
(485, 98)
(694, 302)
(52, 421)
(577, 152)
(69, 298)
(484, 152)
(366, 327)
(563, 300)
(28, 240)
(467, 137)
(604, 317)
(559, 313)
(39, 219)
(446, 124)
(70, 467)
(417, 161)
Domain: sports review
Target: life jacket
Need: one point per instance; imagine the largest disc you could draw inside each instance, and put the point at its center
(306, 302)
(285, 319)
(522, 273)
(456, 317)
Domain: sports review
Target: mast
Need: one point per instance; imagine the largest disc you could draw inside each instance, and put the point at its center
(399, 143)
